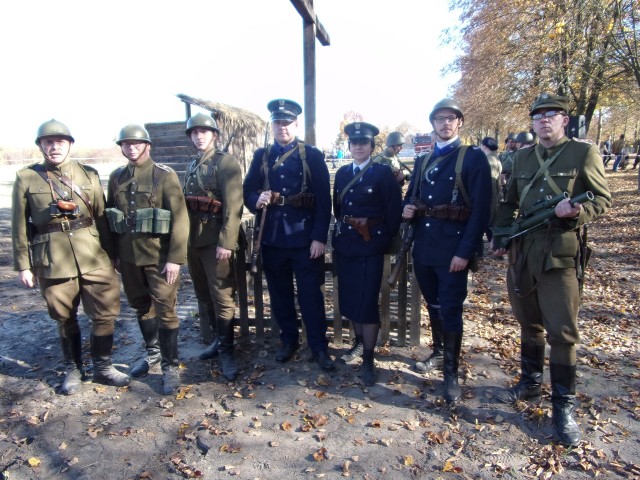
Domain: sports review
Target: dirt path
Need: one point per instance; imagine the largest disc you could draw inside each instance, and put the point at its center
(295, 422)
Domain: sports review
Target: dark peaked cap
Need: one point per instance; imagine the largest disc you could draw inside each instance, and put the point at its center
(361, 131)
(283, 109)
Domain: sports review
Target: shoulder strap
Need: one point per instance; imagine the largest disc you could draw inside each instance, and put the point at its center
(420, 175)
(158, 173)
(459, 186)
(353, 181)
(544, 168)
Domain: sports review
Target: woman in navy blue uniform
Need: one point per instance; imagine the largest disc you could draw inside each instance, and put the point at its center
(297, 192)
(367, 204)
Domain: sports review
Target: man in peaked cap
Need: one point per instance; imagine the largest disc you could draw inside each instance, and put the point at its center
(289, 183)
(546, 265)
(61, 241)
(449, 202)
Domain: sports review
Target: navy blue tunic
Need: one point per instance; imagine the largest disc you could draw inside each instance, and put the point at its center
(378, 197)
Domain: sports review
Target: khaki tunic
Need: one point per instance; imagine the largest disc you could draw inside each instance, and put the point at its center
(58, 254)
(134, 190)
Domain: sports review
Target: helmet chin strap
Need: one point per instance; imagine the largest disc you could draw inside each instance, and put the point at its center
(48, 158)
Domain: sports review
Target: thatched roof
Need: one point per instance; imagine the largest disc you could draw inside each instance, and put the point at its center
(233, 119)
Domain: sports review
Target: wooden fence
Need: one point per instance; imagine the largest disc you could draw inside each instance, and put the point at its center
(399, 307)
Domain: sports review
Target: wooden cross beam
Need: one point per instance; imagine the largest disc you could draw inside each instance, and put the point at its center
(311, 29)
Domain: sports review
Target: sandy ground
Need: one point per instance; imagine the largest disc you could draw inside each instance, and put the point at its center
(295, 421)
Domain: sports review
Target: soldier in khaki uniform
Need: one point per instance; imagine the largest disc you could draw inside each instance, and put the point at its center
(213, 190)
(543, 271)
(62, 242)
(148, 214)
(389, 156)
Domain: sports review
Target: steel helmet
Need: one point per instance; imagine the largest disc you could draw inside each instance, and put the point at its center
(395, 138)
(510, 136)
(524, 137)
(53, 128)
(201, 120)
(134, 133)
(445, 103)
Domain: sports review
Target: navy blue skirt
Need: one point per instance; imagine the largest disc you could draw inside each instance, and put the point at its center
(359, 280)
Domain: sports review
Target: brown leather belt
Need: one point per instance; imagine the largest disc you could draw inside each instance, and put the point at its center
(369, 221)
(65, 225)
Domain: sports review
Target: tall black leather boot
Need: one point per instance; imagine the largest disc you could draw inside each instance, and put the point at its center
(452, 344)
(228, 362)
(212, 350)
(563, 400)
(149, 330)
(170, 364)
(103, 371)
(72, 351)
(529, 387)
(433, 361)
(368, 371)
(207, 318)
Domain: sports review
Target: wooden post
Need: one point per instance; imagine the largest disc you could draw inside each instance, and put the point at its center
(311, 29)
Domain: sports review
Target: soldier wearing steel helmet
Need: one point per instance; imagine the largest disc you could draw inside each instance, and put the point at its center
(291, 180)
(61, 241)
(524, 140)
(389, 156)
(544, 265)
(148, 216)
(213, 190)
(449, 202)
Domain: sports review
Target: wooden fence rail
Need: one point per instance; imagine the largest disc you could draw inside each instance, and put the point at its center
(399, 307)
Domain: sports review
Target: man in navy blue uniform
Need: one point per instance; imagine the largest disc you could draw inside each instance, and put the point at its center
(449, 200)
(367, 204)
(289, 183)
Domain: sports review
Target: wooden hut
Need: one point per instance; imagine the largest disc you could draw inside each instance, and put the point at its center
(241, 132)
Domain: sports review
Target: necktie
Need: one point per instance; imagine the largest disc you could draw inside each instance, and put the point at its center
(356, 171)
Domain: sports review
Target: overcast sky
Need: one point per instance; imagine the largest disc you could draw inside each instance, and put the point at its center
(97, 66)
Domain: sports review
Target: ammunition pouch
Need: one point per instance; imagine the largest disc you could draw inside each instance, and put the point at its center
(203, 204)
(362, 224)
(455, 213)
(299, 200)
(146, 220)
(116, 220)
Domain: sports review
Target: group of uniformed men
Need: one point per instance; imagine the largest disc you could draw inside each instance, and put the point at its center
(67, 239)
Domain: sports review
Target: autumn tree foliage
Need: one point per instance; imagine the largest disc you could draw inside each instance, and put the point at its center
(515, 49)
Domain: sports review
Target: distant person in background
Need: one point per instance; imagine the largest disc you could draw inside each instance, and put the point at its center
(524, 140)
(213, 190)
(606, 151)
(289, 183)
(62, 242)
(489, 146)
(389, 156)
(148, 216)
(617, 149)
(506, 158)
(367, 207)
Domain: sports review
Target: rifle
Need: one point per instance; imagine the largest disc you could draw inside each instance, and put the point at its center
(408, 235)
(538, 216)
(404, 166)
(226, 147)
(255, 253)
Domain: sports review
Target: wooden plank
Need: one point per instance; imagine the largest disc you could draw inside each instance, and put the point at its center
(241, 282)
(337, 316)
(305, 10)
(402, 305)
(385, 301)
(416, 301)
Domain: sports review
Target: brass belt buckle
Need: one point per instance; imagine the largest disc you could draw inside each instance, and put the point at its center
(65, 225)
(130, 221)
